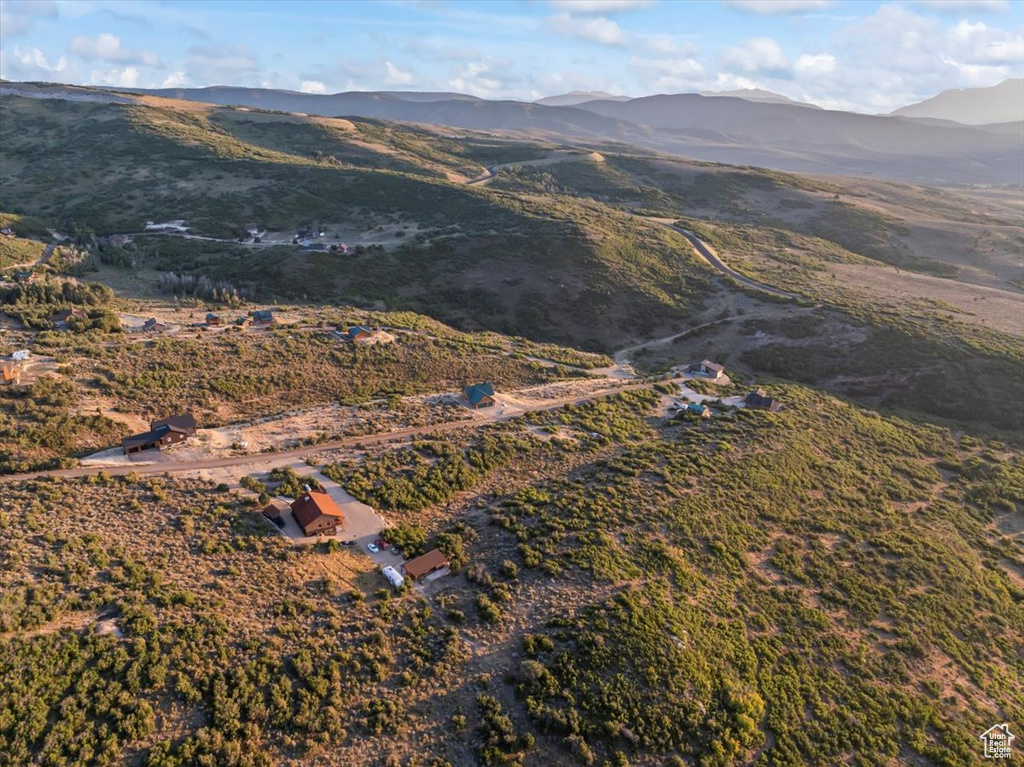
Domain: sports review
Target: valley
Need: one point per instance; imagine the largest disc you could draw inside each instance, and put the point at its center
(717, 465)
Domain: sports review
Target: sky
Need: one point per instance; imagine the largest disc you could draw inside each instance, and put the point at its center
(859, 55)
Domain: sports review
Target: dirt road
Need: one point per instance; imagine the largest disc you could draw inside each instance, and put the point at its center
(270, 459)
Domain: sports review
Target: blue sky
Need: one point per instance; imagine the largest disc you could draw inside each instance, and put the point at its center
(845, 54)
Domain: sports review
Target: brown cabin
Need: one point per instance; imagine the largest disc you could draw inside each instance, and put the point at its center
(760, 400)
(317, 513)
(430, 562)
(163, 432)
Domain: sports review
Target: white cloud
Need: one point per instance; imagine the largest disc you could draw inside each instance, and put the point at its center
(756, 55)
(596, 29)
(175, 80)
(18, 16)
(33, 60)
(599, 6)
(128, 77)
(777, 7)
(961, 6)
(815, 64)
(395, 76)
(107, 47)
(982, 44)
(312, 86)
(668, 45)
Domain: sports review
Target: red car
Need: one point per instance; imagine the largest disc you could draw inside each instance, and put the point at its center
(382, 544)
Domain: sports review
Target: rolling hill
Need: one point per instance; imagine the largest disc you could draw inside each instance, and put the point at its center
(720, 129)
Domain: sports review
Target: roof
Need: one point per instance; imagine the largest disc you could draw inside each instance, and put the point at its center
(312, 505)
(477, 392)
(145, 438)
(183, 422)
(712, 366)
(275, 508)
(66, 314)
(211, 316)
(264, 315)
(150, 323)
(696, 407)
(357, 329)
(420, 566)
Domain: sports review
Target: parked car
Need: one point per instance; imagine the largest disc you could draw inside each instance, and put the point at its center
(348, 543)
(372, 548)
(382, 544)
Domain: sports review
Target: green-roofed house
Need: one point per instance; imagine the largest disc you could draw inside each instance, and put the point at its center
(479, 395)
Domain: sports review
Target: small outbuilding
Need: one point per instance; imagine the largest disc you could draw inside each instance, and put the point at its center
(699, 410)
(712, 370)
(479, 395)
(360, 333)
(760, 400)
(317, 513)
(430, 562)
(274, 511)
(263, 317)
(214, 320)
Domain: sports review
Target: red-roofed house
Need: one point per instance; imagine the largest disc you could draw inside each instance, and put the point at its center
(317, 513)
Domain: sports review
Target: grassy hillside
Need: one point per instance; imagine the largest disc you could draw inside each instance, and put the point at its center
(818, 586)
(511, 263)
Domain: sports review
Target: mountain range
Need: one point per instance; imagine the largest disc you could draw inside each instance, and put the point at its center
(1001, 103)
(745, 127)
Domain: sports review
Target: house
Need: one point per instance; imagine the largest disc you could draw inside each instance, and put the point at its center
(697, 409)
(163, 432)
(430, 562)
(21, 355)
(394, 577)
(712, 370)
(760, 400)
(61, 319)
(213, 321)
(243, 322)
(263, 317)
(152, 325)
(317, 513)
(360, 333)
(479, 395)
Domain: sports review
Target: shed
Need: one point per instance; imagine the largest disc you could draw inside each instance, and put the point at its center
(479, 395)
(430, 562)
(317, 513)
(214, 320)
(760, 400)
(359, 333)
(263, 316)
(696, 408)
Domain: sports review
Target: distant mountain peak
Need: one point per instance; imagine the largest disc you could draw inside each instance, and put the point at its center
(572, 98)
(1002, 103)
(758, 95)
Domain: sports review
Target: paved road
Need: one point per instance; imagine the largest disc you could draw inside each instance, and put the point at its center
(282, 456)
(709, 255)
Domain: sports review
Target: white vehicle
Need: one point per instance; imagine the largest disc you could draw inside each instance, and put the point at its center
(394, 577)
(21, 355)
(372, 548)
